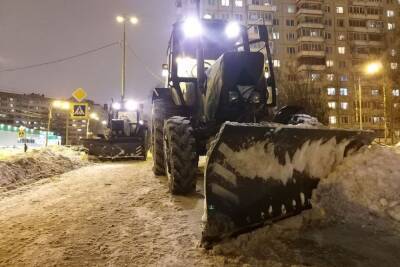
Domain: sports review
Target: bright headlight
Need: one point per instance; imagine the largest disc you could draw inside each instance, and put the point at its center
(131, 105)
(192, 27)
(232, 30)
(116, 106)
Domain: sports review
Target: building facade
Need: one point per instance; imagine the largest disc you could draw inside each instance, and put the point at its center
(329, 43)
(32, 111)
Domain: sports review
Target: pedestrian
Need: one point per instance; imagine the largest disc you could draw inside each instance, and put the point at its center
(25, 147)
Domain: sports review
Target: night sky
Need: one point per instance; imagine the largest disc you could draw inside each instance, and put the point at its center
(36, 31)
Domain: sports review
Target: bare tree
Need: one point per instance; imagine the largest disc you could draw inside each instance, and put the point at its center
(303, 89)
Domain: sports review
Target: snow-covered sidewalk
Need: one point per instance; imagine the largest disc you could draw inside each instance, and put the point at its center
(23, 168)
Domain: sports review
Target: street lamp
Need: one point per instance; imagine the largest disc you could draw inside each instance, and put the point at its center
(92, 116)
(373, 68)
(57, 104)
(123, 20)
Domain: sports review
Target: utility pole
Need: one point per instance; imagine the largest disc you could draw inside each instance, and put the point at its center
(123, 63)
(360, 102)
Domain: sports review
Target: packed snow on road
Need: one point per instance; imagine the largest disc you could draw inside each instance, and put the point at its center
(120, 214)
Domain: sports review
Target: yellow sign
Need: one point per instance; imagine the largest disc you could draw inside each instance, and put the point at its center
(79, 111)
(21, 132)
(79, 94)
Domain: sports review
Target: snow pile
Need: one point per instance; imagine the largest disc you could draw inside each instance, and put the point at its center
(28, 167)
(316, 158)
(366, 186)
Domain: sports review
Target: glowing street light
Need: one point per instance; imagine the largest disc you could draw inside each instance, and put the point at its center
(131, 105)
(122, 20)
(373, 68)
(58, 104)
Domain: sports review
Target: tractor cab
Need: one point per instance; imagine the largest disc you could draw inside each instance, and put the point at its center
(211, 61)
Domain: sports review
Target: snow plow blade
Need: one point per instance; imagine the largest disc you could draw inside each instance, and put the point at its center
(113, 149)
(260, 173)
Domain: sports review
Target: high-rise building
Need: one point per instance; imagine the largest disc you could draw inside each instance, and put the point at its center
(328, 43)
(32, 112)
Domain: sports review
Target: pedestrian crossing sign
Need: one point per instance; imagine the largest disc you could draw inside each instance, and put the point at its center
(79, 111)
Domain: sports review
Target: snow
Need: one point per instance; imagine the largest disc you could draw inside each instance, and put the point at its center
(22, 168)
(366, 186)
(315, 158)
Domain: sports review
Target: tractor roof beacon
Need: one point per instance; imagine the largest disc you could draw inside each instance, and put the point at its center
(217, 101)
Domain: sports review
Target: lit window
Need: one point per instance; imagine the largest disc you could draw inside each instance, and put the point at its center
(332, 105)
(393, 65)
(332, 120)
(375, 119)
(341, 37)
(341, 50)
(329, 63)
(11, 105)
(390, 13)
(275, 35)
(331, 91)
(393, 52)
(314, 76)
(343, 91)
(277, 63)
(344, 105)
(375, 92)
(391, 26)
(291, 9)
(239, 3)
(225, 2)
(330, 77)
(396, 92)
(339, 10)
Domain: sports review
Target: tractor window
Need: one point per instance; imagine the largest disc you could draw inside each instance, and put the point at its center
(130, 116)
(187, 66)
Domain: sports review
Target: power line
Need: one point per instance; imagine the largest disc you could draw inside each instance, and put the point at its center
(147, 68)
(59, 60)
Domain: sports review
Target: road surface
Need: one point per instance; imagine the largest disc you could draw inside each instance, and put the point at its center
(119, 214)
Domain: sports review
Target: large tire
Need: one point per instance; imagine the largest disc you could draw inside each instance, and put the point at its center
(181, 158)
(162, 110)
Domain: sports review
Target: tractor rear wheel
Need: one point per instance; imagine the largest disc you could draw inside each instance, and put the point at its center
(181, 158)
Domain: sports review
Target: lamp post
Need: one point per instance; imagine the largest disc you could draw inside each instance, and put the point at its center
(372, 69)
(63, 105)
(92, 116)
(123, 20)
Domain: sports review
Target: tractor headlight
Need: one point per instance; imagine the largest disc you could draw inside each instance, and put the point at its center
(131, 105)
(192, 27)
(232, 30)
(233, 96)
(255, 98)
(116, 106)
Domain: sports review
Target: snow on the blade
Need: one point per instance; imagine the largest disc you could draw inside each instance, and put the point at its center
(365, 186)
(316, 158)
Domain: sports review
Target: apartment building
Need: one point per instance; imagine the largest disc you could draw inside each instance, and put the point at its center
(32, 112)
(328, 43)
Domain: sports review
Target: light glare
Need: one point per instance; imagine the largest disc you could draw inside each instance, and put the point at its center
(116, 106)
(373, 68)
(192, 27)
(134, 20)
(120, 19)
(131, 105)
(232, 30)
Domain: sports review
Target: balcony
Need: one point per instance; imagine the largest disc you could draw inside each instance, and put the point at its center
(264, 8)
(307, 67)
(310, 25)
(305, 11)
(319, 54)
(311, 39)
(259, 22)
